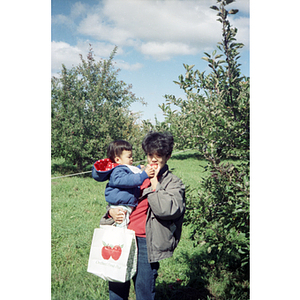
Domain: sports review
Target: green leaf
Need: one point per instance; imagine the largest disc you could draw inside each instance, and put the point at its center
(233, 11)
(190, 67)
(214, 7)
(241, 251)
(244, 263)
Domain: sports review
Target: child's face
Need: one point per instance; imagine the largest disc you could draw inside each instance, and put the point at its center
(125, 158)
(157, 160)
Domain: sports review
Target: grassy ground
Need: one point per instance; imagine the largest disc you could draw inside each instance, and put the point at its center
(77, 206)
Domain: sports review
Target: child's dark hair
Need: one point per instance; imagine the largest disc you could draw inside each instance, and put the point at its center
(158, 143)
(116, 148)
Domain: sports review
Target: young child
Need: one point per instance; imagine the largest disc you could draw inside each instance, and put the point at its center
(124, 179)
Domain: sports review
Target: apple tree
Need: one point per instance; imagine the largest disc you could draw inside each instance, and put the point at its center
(214, 117)
(89, 109)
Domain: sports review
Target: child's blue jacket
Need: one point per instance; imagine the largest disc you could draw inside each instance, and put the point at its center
(123, 187)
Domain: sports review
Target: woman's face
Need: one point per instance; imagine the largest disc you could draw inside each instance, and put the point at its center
(155, 159)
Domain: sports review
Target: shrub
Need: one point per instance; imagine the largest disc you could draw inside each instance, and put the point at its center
(89, 109)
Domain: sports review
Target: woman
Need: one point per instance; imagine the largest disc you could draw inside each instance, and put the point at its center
(157, 219)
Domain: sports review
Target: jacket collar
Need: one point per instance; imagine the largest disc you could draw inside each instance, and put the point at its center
(163, 172)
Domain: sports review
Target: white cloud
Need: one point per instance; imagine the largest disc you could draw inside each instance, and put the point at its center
(164, 51)
(242, 6)
(155, 25)
(100, 49)
(78, 9)
(242, 36)
(158, 21)
(126, 66)
(63, 52)
(94, 26)
(63, 20)
(157, 29)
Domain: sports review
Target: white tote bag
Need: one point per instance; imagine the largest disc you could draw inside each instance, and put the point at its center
(113, 254)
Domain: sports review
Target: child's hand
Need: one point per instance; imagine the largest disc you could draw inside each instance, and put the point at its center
(142, 166)
(150, 171)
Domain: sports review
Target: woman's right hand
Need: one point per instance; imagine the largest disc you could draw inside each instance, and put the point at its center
(118, 214)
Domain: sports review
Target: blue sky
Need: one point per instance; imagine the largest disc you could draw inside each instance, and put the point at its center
(154, 39)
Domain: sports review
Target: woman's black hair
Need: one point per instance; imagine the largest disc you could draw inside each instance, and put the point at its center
(158, 143)
(116, 148)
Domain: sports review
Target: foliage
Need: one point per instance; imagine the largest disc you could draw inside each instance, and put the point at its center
(89, 109)
(215, 114)
(214, 117)
(219, 215)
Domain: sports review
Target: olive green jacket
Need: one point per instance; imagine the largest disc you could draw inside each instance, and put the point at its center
(164, 217)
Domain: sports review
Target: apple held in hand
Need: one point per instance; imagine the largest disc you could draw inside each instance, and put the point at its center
(154, 166)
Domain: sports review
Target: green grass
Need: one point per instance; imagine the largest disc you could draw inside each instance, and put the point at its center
(77, 206)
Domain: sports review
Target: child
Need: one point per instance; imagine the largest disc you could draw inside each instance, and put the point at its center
(124, 179)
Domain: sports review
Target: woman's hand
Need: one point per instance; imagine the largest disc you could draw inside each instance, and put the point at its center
(118, 214)
(154, 179)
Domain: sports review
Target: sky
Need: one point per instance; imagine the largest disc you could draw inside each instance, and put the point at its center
(154, 39)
